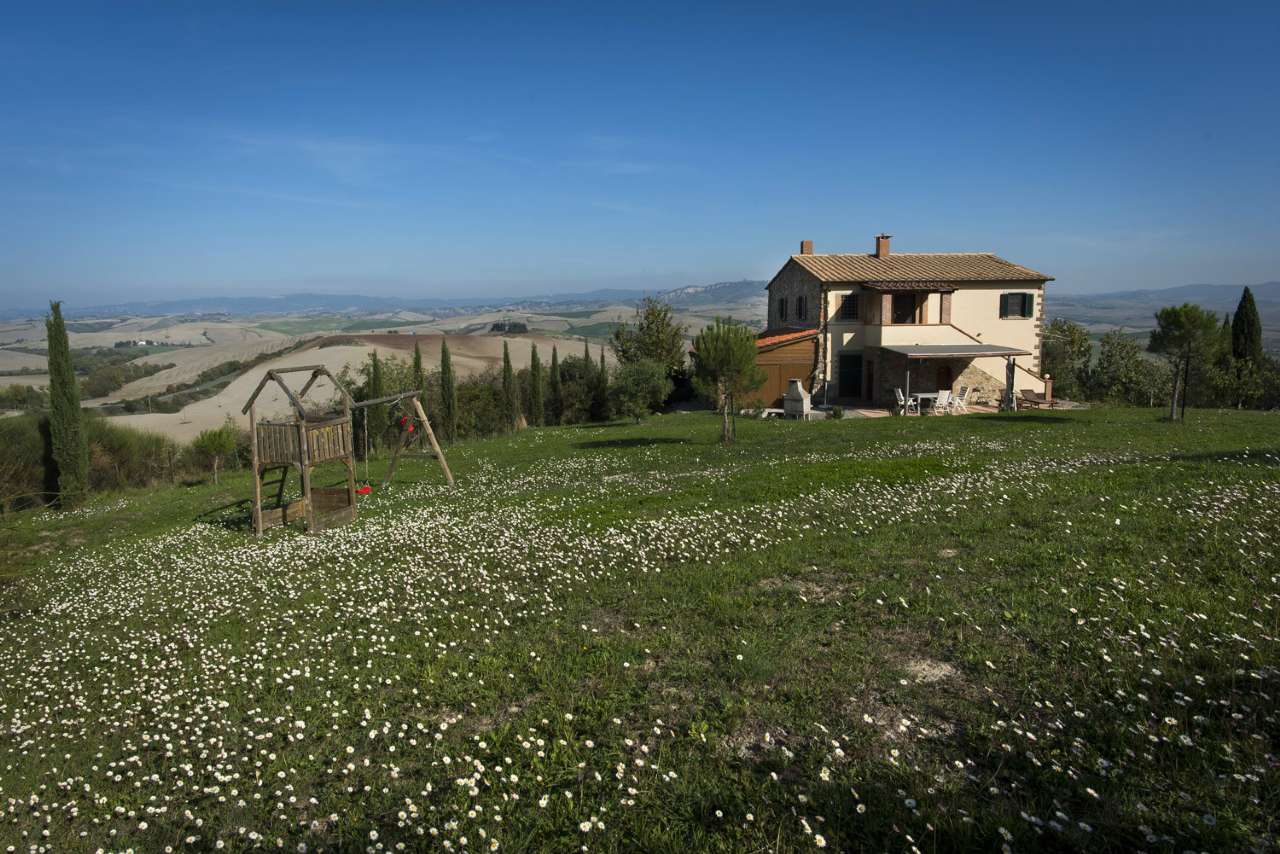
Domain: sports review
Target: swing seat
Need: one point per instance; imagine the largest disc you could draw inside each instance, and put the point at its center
(364, 490)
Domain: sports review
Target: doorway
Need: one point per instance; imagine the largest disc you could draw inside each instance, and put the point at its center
(850, 384)
(945, 378)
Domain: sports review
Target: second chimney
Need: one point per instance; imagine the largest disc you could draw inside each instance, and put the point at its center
(806, 247)
(882, 245)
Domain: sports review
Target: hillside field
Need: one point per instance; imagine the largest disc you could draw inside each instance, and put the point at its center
(1042, 631)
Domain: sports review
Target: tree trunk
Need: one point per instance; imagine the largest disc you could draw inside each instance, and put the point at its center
(1173, 398)
(1186, 381)
(215, 471)
(725, 438)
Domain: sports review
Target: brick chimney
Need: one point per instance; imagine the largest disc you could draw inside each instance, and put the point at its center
(882, 245)
(806, 247)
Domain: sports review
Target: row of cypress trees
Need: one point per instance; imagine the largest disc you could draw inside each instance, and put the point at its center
(541, 402)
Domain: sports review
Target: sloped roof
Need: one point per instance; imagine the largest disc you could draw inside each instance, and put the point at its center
(909, 286)
(769, 339)
(917, 267)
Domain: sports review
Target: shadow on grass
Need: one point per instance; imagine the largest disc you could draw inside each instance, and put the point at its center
(1257, 456)
(236, 516)
(1036, 418)
(595, 425)
(634, 442)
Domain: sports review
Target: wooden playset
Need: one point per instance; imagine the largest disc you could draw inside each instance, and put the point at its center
(307, 440)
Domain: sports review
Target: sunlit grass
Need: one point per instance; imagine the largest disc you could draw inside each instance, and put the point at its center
(1043, 631)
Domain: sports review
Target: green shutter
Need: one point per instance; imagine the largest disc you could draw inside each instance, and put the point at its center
(1028, 305)
(1004, 305)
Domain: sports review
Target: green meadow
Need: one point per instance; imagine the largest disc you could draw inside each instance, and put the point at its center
(1032, 632)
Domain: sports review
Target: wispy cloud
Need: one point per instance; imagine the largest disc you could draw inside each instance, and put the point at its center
(256, 193)
(606, 166)
(610, 154)
(621, 207)
(351, 161)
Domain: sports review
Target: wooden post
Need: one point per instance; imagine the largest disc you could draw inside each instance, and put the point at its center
(431, 437)
(350, 459)
(405, 439)
(305, 469)
(257, 472)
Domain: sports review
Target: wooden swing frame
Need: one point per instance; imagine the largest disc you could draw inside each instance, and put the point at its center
(415, 412)
(303, 444)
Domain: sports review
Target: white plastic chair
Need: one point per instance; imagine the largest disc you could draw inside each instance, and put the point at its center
(960, 403)
(942, 406)
(907, 404)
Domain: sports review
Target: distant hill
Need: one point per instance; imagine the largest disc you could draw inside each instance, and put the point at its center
(304, 303)
(745, 291)
(1137, 308)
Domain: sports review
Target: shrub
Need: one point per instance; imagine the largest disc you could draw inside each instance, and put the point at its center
(638, 388)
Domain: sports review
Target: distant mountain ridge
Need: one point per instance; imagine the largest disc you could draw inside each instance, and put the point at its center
(301, 303)
(1137, 308)
(1118, 308)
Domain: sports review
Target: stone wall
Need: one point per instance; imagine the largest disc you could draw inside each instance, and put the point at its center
(891, 375)
(791, 282)
(984, 388)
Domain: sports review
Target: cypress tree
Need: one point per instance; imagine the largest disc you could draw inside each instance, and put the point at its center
(510, 391)
(70, 448)
(600, 391)
(419, 379)
(555, 392)
(419, 376)
(376, 418)
(537, 409)
(588, 370)
(1246, 330)
(448, 395)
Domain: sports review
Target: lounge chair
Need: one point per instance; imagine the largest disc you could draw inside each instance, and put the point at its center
(1035, 399)
(907, 404)
(941, 406)
(960, 403)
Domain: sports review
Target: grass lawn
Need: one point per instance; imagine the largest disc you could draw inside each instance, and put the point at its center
(1035, 632)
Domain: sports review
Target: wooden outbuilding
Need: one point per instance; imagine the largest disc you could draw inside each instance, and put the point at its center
(784, 356)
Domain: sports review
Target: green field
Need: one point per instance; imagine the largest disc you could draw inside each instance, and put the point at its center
(1033, 632)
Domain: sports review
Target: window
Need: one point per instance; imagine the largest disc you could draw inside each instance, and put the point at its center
(904, 308)
(800, 313)
(782, 310)
(849, 307)
(1017, 305)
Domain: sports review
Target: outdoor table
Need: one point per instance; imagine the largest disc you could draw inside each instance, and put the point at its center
(922, 396)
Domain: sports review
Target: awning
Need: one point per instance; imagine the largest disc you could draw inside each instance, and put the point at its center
(952, 351)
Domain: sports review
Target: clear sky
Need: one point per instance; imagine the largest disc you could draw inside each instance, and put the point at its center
(447, 148)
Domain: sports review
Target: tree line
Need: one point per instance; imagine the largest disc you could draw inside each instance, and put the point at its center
(649, 372)
(1191, 358)
(62, 454)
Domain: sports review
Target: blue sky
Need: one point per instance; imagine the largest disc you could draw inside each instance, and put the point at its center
(440, 149)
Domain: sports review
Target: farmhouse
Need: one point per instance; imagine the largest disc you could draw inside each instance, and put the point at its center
(856, 327)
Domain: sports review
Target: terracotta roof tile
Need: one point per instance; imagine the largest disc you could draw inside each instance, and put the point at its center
(916, 267)
(773, 338)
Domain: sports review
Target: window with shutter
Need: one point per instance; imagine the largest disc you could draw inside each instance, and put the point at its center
(800, 314)
(1017, 305)
(782, 309)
